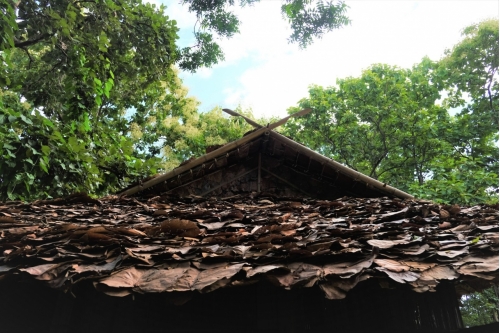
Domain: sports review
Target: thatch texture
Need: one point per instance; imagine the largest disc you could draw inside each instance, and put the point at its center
(165, 244)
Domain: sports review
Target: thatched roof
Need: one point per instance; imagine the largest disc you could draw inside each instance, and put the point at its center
(164, 243)
(261, 208)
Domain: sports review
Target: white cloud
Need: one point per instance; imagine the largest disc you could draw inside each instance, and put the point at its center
(397, 33)
(205, 73)
(391, 32)
(261, 33)
(179, 13)
(233, 96)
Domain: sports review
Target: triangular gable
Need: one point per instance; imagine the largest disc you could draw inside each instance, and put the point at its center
(266, 161)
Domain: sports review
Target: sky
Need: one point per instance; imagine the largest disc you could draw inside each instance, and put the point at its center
(262, 71)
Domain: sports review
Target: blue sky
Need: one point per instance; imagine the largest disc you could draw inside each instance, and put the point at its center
(262, 71)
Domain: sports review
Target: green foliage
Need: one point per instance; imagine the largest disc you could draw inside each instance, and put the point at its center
(74, 70)
(389, 123)
(67, 54)
(470, 74)
(307, 18)
(384, 124)
(480, 308)
(458, 180)
(310, 19)
(8, 24)
(185, 135)
(90, 99)
(42, 158)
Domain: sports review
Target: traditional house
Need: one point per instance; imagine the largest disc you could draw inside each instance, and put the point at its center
(260, 235)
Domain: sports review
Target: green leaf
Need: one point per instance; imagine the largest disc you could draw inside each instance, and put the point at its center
(47, 122)
(74, 145)
(475, 240)
(43, 166)
(45, 150)
(26, 120)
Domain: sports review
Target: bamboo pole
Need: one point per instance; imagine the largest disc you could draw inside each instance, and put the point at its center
(248, 120)
(276, 124)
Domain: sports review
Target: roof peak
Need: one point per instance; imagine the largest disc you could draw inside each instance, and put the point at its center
(298, 160)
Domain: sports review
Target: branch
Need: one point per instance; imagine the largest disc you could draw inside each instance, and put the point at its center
(83, 2)
(114, 171)
(393, 167)
(99, 111)
(30, 42)
(29, 56)
(377, 163)
(489, 88)
(59, 115)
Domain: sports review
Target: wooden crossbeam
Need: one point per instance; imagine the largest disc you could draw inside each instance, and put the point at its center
(274, 125)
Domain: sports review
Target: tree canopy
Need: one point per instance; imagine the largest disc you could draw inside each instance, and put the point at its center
(90, 98)
(480, 308)
(391, 124)
(307, 18)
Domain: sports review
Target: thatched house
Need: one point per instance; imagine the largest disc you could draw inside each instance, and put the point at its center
(261, 234)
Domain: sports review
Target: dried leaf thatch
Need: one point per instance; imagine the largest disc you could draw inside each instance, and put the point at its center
(164, 244)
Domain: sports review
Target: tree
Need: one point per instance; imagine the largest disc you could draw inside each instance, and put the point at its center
(469, 73)
(307, 18)
(389, 123)
(62, 120)
(384, 124)
(470, 70)
(480, 308)
(89, 91)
